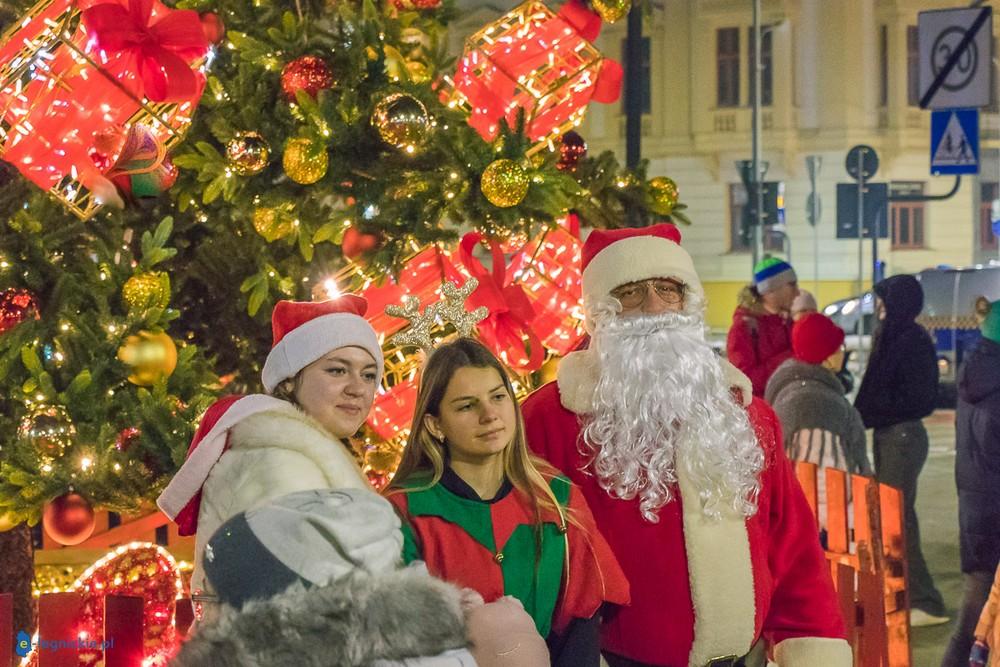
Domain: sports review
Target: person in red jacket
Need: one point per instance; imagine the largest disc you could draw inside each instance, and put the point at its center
(760, 338)
(690, 487)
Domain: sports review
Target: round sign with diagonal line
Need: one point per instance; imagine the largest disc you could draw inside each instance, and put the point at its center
(945, 46)
(954, 58)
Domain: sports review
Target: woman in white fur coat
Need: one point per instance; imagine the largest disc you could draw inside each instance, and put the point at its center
(320, 376)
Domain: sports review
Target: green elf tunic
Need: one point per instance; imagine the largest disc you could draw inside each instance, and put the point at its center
(491, 546)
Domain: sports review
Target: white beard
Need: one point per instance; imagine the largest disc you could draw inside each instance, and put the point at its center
(662, 401)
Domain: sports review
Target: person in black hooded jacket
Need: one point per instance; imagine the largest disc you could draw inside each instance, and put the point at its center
(977, 475)
(898, 390)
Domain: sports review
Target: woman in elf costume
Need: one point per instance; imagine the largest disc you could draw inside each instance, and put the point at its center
(485, 514)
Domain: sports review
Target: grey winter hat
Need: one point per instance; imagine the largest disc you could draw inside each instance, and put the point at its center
(313, 537)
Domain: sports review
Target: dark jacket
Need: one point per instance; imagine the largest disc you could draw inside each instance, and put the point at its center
(901, 380)
(810, 397)
(758, 343)
(977, 457)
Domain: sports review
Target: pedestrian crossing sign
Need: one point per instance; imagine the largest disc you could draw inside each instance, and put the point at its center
(955, 141)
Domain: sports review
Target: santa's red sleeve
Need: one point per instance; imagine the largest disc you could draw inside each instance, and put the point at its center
(551, 430)
(803, 617)
(593, 575)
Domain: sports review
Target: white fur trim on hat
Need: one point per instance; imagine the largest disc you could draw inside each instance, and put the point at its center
(315, 338)
(638, 258)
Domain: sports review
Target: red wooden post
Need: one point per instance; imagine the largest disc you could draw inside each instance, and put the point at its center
(806, 474)
(7, 629)
(58, 615)
(183, 616)
(122, 631)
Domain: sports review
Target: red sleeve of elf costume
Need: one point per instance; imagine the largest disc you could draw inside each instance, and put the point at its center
(803, 602)
(594, 574)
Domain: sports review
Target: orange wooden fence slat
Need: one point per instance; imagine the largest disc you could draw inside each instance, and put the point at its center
(836, 511)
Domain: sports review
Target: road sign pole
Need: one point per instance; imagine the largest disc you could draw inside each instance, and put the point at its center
(758, 192)
(859, 327)
(813, 163)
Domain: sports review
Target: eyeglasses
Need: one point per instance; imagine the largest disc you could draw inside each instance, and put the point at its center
(632, 295)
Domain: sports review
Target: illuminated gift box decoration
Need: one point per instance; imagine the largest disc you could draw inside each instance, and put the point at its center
(538, 60)
(79, 78)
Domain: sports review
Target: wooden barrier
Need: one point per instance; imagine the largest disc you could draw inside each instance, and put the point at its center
(866, 550)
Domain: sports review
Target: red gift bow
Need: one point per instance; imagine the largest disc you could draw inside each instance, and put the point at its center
(510, 309)
(162, 50)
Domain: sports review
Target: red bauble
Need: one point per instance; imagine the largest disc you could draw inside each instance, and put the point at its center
(213, 27)
(16, 305)
(357, 243)
(307, 73)
(572, 149)
(69, 519)
(126, 438)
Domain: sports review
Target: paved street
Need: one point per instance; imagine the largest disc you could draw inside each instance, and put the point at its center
(937, 508)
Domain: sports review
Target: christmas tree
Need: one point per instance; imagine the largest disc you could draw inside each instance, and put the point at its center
(332, 137)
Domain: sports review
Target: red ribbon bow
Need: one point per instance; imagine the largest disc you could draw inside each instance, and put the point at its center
(510, 309)
(159, 50)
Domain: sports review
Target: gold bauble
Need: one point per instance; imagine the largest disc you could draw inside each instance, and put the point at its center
(6, 523)
(661, 195)
(504, 183)
(305, 161)
(248, 153)
(150, 289)
(274, 222)
(402, 122)
(612, 10)
(50, 431)
(150, 357)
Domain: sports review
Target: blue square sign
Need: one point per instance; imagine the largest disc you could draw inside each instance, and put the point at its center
(955, 141)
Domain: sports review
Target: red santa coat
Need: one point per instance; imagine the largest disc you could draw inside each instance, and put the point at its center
(758, 343)
(702, 588)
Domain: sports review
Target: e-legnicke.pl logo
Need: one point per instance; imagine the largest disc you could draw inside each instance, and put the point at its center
(23, 644)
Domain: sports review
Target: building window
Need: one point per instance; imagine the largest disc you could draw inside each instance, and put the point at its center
(988, 192)
(766, 66)
(907, 217)
(645, 89)
(883, 66)
(727, 58)
(912, 67)
(737, 200)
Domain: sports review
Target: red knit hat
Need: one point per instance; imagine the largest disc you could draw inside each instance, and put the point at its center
(815, 337)
(613, 257)
(306, 330)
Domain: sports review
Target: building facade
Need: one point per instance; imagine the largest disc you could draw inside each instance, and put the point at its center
(836, 73)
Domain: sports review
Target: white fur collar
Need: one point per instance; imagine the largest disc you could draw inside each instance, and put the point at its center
(287, 427)
(579, 372)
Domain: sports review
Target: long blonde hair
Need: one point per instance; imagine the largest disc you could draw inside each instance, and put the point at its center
(425, 454)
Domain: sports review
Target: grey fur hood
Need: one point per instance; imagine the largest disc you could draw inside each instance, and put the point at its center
(352, 622)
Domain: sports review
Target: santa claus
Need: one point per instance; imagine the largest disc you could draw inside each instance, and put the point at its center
(686, 477)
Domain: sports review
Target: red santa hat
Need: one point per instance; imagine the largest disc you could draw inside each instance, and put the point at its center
(613, 257)
(304, 331)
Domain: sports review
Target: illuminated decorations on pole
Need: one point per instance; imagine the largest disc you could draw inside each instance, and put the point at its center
(16, 306)
(69, 519)
(248, 153)
(52, 80)
(308, 74)
(150, 357)
(504, 183)
(402, 122)
(539, 61)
